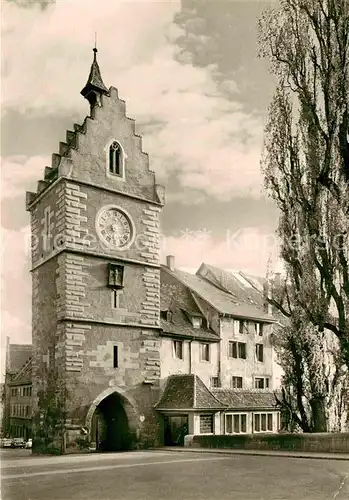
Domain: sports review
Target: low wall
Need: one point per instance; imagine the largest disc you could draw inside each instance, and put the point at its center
(324, 442)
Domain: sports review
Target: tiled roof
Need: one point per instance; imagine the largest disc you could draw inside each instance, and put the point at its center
(187, 392)
(174, 329)
(178, 299)
(224, 302)
(18, 354)
(204, 398)
(94, 79)
(246, 400)
(173, 290)
(245, 288)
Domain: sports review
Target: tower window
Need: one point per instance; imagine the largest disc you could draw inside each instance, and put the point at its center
(115, 357)
(115, 159)
(115, 298)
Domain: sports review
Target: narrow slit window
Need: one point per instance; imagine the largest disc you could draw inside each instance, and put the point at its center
(115, 299)
(115, 357)
(47, 222)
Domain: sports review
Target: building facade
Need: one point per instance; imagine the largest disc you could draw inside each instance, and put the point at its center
(113, 331)
(17, 396)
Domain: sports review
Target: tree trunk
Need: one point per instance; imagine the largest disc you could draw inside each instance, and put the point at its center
(318, 410)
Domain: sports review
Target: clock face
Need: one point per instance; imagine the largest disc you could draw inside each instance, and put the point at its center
(114, 228)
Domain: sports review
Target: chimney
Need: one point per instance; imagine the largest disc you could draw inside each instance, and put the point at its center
(170, 262)
(267, 292)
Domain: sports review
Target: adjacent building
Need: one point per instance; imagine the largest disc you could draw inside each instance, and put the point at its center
(17, 398)
(126, 352)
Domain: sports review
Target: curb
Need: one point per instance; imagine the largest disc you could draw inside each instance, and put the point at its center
(281, 454)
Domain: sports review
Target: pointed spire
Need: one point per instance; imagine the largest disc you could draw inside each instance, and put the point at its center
(94, 86)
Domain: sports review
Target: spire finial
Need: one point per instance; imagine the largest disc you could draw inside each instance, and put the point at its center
(95, 48)
(94, 86)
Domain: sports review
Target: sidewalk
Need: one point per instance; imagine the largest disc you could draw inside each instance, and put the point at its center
(268, 453)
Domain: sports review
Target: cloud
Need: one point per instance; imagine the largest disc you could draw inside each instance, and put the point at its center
(247, 249)
(20, 174)
(190, 129)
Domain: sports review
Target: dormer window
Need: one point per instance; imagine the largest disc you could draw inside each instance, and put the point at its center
(166, 315)
(196, 322)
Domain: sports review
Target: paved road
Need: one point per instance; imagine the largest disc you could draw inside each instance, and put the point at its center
(161, 475)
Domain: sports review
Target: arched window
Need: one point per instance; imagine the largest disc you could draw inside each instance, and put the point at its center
(115, 159)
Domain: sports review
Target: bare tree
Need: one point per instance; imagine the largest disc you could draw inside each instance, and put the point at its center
(306, 156)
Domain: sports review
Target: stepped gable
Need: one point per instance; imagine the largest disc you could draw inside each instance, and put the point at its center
(187, 392)
(61, 163)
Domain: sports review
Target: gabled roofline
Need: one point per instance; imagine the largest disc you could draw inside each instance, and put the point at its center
(238, 316)
(163, 266)
(23, 369)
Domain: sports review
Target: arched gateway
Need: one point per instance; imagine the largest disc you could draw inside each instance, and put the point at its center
(112, 421)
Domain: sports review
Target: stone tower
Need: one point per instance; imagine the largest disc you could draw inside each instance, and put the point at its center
(96, 285)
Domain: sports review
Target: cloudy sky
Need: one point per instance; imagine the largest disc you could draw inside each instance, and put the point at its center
(191, 78)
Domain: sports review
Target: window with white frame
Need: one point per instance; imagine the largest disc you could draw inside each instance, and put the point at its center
(204, 352)
(261, 382)
(178, 349)
(236, 382)
(237, 350)
(241, 326)
(215, 382)
(262, 422)
(235, 423)
(258, 328)
(259, 352)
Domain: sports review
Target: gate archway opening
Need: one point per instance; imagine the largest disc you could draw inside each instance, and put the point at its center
(112, 421)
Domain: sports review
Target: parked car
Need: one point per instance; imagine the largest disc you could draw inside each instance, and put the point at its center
(18, 443)
(6, 443)
(29, 443)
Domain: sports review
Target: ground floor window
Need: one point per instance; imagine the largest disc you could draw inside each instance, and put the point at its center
(261, 382)
(262, 422)
(235, 423)
(206, 424)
